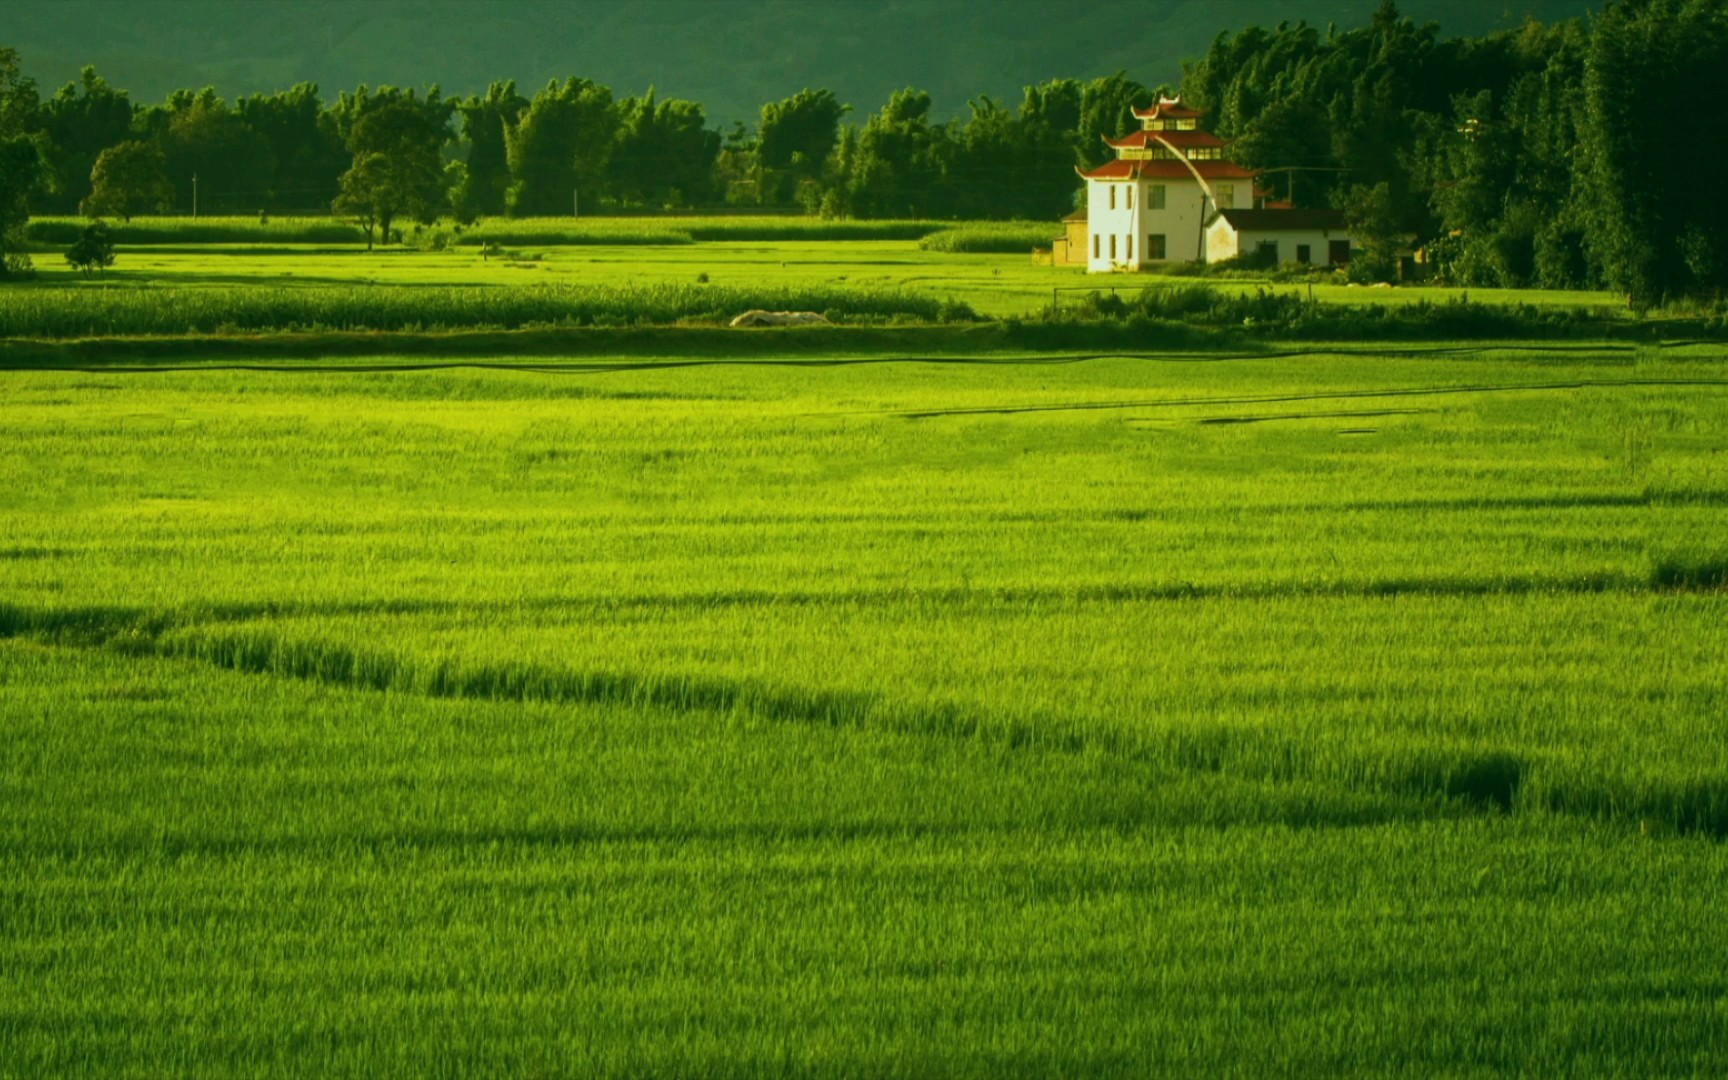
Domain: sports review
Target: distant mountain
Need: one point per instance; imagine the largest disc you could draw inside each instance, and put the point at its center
(731, 55)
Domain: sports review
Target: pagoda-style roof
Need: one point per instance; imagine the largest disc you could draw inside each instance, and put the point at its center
(1169, 109)
(1169, 169)
(1182, 140)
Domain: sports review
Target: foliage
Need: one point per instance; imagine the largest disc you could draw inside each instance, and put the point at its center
(895, 168)
(52, 313)
(486, 123)
(395, 140)
(795, 140)
(93, 251)
(1650, 147)
(210, 153)
(663, 154)
(20, 162)
(77, 124)
(560, 147)
(1375, 231)
(129, 178)
(308, 153)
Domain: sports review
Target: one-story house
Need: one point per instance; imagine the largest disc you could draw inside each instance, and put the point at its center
(1309, 237)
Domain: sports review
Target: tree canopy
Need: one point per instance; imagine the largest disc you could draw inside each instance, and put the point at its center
(1567, 154)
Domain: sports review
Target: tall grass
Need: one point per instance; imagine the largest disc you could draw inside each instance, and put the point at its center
(992, 237)
(545, 232)
(1358, 709)
(202, 230)
(67, 313)
(1281, 315)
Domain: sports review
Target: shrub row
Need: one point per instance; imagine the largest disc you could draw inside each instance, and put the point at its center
(70, 313)
(992, 237)
(1264, 313)
(514, 231)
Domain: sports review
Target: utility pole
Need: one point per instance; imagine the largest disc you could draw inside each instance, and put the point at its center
(194, 195)
(575, 202)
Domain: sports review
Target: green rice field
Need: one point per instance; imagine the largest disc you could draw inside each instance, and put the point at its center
(986, 266)
(1358, 710)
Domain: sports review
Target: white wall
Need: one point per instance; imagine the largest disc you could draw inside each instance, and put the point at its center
(1319, 243)
(1223, 242)
(1179, 222)
(1103, 222)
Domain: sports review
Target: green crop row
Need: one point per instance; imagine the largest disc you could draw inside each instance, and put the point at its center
(1353, 711)
(992, 237)
(66, 313)
(544, 232)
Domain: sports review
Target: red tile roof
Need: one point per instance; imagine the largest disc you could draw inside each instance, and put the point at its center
(1168, 169)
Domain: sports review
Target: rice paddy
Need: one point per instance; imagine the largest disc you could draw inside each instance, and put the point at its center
(1356, 710)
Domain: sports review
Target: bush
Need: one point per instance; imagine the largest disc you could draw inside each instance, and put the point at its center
(94, 249)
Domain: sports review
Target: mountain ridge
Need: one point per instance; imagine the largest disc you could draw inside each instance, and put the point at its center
(730, 55)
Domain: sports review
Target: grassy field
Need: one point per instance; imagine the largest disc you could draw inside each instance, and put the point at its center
(1354, 711)
(927, 258)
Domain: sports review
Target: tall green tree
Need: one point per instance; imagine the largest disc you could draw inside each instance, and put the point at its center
(1050, 125)
(1652, 143)
(307, 150)
(1378, 235)
(396, 141)
(210, 154)
(20, 161)
(129, 178)
(560, 146)
(82, 120)
(486, 122)
(664, 154)
(795, 138)
(896, 170)
(1107, 111)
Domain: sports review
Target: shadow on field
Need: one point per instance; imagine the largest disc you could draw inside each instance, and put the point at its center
(1477, 504)
(690, 345)
(107, 625)
(1468, 777)
(1329, 395)
(1350, 413)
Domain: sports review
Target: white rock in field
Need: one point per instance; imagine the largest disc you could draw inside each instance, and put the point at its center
(779, 318)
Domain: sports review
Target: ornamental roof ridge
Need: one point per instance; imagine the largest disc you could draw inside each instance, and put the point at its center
(1170, 108)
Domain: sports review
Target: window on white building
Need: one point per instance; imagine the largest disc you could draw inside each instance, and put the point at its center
(1226, 196)
(1155, 246)
(1129, 240)
(1112, 196)
(1157, 193)
(1130, 193)
(1112, 247)
(1095, 243)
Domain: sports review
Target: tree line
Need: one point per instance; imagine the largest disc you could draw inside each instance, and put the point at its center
(1578, 154)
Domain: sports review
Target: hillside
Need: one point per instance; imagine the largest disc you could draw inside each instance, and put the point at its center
(731, 55)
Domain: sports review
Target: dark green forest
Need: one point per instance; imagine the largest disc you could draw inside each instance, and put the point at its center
(1577, 153)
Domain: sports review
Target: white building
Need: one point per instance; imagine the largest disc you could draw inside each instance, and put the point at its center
(1166, 196)
(1310, 237)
